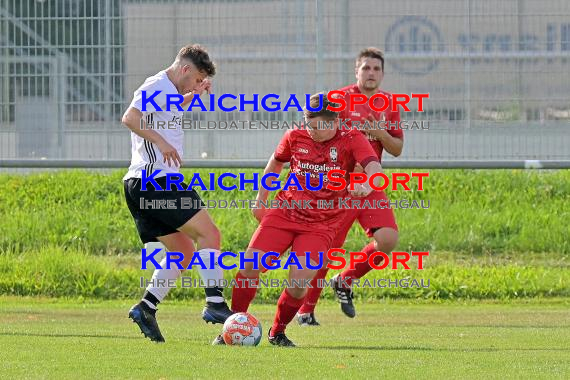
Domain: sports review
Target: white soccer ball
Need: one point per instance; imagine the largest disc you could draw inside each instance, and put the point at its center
(204, 155)
(242, 329)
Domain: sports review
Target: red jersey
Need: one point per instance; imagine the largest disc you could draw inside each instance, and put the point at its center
(361, 112)
(306, 156)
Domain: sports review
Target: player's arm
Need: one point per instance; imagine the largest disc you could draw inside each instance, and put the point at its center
(365, 155)
(133, 119)
(205, 85)
(391, 144)
(273, 166)
(371, 168)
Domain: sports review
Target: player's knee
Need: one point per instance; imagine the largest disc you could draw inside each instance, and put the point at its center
(186, 260)
(210, 237)
(296, 292)
(386, 239)
(249, 271)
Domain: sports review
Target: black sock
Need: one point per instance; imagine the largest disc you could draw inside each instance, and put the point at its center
(149, 297)
(214, 292)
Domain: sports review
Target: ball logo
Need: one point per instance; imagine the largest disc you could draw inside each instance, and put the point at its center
(414, 35)
(241, 327)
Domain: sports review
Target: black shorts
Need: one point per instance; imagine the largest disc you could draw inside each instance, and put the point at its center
(152, 222)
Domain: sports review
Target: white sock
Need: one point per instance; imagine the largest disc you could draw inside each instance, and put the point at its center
(150, 247)
(163, 274)
(213, 275)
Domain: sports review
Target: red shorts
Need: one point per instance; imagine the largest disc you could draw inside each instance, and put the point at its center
(277, 233)
(371, 219)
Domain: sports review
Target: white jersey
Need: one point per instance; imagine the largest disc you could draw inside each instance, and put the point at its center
(146, 155)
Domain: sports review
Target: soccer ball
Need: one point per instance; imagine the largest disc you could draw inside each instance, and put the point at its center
(242, 329)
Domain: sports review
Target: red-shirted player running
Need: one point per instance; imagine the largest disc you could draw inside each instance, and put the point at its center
(307, 231)
(378, 223)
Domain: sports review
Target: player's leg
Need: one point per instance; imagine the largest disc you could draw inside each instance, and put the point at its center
(163, 224)
(148, 227)
(274, 234)
(306, 315)
(379, 224)
(144, 313)
(385, 240)
(203, 231)
(197, 224)
(289, 303)
(247, 279)
(175, 242)
(245, 288)
(292, 298)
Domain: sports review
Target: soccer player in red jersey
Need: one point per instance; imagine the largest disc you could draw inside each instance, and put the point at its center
(379, 224)
(311, 153)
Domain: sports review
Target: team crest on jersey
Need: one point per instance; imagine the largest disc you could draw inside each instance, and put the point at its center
(303, 150)
(333, 154)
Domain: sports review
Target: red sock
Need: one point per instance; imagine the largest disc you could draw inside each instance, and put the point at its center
(313, 293)
(361, 269)
(243, 295)
(287, 307)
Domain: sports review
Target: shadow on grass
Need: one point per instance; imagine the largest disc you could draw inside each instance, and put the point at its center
(68, 335)
(433, 349)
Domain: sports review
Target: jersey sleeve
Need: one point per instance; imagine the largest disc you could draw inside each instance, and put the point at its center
(362, 150)
(283, 151)
(149, 88)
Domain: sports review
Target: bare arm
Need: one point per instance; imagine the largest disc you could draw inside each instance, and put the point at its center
(205, 85)
(391, 144)
(372, 168)
(133, 120)
(273, 166)
(362, 190)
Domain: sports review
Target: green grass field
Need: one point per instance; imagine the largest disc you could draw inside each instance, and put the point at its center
(55, 272)
(471, 211)
(498, 305)
(65, 339)
(492, 234)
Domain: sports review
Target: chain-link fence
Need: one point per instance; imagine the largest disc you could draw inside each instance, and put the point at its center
(498, 72)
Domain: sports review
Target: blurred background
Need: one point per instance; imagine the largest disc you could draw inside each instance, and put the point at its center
(498, 73)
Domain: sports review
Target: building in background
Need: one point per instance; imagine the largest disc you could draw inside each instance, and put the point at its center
(497, 72)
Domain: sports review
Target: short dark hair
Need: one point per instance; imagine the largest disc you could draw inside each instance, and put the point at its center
(315, 101)
(198, 55)
(371, 52)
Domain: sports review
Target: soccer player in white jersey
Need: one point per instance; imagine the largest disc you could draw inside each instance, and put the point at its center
(161, 149)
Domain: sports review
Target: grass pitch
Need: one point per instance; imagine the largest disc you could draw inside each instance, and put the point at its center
(46, 338)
